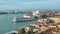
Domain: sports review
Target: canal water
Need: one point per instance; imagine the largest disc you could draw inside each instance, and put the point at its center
(7, 24)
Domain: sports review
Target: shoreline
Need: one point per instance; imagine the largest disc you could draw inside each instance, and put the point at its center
(1, 13)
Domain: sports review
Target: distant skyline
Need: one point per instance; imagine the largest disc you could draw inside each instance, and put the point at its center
(29, 4)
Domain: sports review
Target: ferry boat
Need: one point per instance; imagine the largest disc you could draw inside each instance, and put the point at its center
(28, 17)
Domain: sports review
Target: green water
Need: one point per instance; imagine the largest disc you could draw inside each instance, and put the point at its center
(7, 25)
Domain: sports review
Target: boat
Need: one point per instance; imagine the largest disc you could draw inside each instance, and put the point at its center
(22, 19)
(28, 17)
(12, 32)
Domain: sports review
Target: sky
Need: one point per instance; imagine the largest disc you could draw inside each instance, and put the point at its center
(29, 4)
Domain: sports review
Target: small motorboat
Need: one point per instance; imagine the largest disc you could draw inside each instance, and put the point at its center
(12, 32)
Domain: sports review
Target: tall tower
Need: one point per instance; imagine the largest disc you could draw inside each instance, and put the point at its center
(37, 11)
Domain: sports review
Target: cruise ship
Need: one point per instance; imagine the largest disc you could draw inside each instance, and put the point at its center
(28, 17)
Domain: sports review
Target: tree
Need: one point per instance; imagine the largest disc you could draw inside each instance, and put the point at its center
(49, 21)
(21, 31)
(44, 16)
(31, 30)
